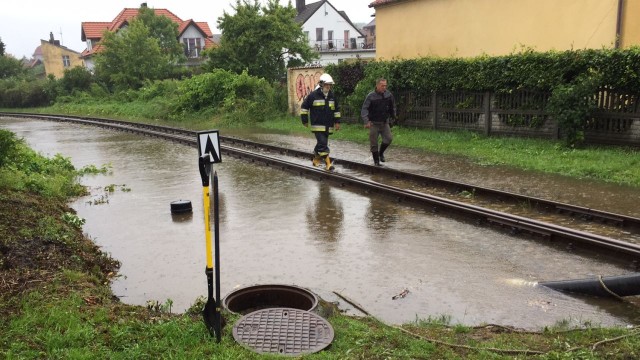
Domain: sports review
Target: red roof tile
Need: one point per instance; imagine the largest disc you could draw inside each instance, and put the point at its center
(208, 43)
(94, 30)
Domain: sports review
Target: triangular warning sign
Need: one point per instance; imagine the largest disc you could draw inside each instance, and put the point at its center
(209, 143)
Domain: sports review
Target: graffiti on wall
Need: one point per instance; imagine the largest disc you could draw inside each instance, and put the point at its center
(300, 82)
(305, 83)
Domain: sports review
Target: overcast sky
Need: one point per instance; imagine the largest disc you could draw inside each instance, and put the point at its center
(23, 23)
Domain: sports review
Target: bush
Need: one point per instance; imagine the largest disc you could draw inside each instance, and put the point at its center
(206, 90)
(23, 169)
(572, 105)
(22, 93)
(249, 99)
(159, 88)
(8, 146)
(569, 76)
(76, 79)
(240, 97)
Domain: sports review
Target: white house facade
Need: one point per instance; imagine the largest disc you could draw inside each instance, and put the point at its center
(331, 33)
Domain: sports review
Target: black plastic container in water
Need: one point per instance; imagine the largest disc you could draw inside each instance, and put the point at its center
(252, 298)
(181, 207)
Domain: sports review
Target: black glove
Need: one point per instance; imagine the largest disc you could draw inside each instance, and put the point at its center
(392, 122)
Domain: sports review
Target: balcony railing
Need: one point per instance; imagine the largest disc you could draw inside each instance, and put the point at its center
(341, 45)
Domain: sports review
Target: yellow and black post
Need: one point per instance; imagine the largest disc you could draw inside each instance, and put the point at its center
(211, 312)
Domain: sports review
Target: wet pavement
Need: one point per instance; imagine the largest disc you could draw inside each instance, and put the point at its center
(276, 228)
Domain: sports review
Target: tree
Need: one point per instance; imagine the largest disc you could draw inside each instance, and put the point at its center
(145, 50)
(163, 29)
(9, 66)
(260, 40)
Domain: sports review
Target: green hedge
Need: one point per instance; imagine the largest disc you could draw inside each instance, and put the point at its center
(561, 73)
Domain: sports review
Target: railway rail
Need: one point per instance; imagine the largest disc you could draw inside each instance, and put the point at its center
(565, 237)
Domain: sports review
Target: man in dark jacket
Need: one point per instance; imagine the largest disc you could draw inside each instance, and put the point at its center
(320, 108)
(378, 109)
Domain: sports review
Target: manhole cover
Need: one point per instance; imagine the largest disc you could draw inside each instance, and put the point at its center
(285, 331)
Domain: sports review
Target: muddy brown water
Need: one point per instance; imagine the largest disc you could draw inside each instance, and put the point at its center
(276, 228)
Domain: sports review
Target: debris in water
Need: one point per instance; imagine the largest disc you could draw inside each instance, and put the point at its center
(401, 295)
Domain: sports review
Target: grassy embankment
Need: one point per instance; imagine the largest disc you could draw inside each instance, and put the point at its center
(56, 302)
(619, 165)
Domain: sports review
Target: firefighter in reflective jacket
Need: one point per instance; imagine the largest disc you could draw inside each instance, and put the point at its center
(320, 108)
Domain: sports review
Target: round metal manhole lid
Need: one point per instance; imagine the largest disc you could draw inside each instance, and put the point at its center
(284, 331)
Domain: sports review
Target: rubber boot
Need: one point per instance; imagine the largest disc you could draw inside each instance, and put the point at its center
(316, 160)
(383, 147)
(376, 158)
(329, 163)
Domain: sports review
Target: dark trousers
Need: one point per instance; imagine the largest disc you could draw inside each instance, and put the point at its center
(379, 129)
(322, 143)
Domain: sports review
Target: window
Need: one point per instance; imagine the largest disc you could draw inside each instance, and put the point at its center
(306, 35)
(192, 47)
(319, 32)
(66, 62)
(330, 38)
(346, 39)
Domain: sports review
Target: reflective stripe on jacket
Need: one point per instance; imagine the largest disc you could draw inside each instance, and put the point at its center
(322, 112)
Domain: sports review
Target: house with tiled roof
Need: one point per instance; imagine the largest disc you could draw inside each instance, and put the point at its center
(57, 58)
(331, 33)
(462, 28)
(195, 36)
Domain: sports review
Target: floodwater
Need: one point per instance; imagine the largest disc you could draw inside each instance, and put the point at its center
(587, 193)
(277, 228)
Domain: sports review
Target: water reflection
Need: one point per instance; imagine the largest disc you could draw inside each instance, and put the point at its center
(324, 217)
(622, 309)
(381, 216)
(182, 218)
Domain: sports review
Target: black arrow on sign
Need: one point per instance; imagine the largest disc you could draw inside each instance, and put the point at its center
(209, 148)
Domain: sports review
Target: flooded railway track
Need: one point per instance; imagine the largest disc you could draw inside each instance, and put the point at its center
(574, 228)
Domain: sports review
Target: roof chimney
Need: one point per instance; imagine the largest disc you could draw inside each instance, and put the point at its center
(143, 5)
(51, 40)
(300, 5)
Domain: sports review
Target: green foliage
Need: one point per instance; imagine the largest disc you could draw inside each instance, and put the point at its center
(165, 31)
(10, 67)
(241, 98)
(249, 99)
(73, 220)
(572, 105)
(346, 75)
(206, 90)
(21, 92)
(131, 57)
(260, 39)
(8, 147)
(23, 169)
(159, 88)
(2, 47)
(567, 75)
(76, 79)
